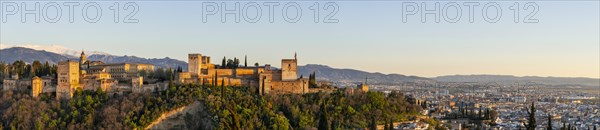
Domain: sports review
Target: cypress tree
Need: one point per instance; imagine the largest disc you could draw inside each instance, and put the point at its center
(223, 82)
(223, 88)
(246, 61)
(224, 62)
(323, 121)
(386, 126)
(171, 83)
(487, 114)
(373, 124)
(531, 122)
(214, 82)
(391, 125)
(549, 122)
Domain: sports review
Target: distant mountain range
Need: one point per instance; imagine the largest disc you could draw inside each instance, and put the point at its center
(159, 62)
(55, 49)
(509, 79)
(323, 72)
(10, 55)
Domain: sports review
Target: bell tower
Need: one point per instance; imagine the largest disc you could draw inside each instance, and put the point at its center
(82, 65)
(82, 58)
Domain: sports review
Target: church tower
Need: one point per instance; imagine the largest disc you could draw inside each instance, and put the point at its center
(82, 65)
(82, 58)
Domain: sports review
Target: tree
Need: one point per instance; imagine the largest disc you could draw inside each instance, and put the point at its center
(171, 82)
(312, 82)
(230, 63)
(222, 91)
(224, 62)
(549, 122)
(373, 123)
(386, 126)
(390, 125)
(245, 60)
(179, 69)
(323, 119)
(531, 123)
(214, 82)
(487, 114)
(2, 71)
(223, 82)
(36, 68)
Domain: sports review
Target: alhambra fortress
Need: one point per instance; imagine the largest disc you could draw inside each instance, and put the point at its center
(119, 78)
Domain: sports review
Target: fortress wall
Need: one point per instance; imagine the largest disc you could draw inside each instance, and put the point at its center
(245, 71)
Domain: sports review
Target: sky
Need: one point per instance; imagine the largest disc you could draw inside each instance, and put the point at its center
(551, 38)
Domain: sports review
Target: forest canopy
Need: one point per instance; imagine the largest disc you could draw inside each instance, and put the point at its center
(225, 108)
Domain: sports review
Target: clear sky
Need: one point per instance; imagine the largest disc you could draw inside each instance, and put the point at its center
(369, 35)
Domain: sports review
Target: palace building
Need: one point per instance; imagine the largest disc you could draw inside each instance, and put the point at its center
(266, 79)
(118, 71)
(93, 75)
(117, 78)
(35, 86)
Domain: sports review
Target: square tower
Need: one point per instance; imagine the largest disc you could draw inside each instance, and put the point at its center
(289, 69)
(68, 79)
(36, 86)
(195, 64)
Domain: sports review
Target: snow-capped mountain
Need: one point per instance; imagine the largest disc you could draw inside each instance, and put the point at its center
(55, 49)
(55, 54)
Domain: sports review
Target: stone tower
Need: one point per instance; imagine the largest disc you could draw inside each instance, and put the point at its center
(82, 58)
(289, 69)
(68, 79)
(195, 64)
(36, 86)
(82, 65)
(364, 87)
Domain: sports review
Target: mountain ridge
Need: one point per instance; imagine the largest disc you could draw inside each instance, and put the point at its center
(509, 79)
(323, 72)
(55, 49)
(12, 54)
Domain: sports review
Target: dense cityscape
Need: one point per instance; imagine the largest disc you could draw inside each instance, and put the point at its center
(571, 106)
